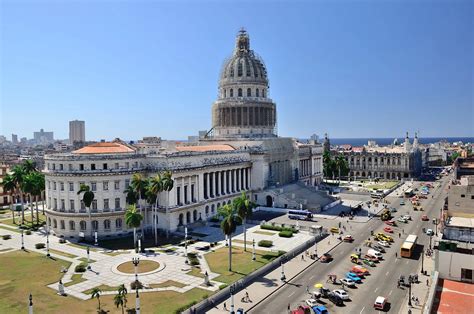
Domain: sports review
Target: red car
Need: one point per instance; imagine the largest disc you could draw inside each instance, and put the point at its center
(424, 218)
(348, 238)
(390, 222)
(388, 229)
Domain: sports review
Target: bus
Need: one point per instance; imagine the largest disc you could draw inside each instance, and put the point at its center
(376, 194)
(408, 246)
(409, 193)
(300, 214)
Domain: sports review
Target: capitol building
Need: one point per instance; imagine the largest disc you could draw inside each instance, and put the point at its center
(240, 152)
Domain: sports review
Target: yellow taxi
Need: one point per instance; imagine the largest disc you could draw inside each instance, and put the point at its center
(334, 230)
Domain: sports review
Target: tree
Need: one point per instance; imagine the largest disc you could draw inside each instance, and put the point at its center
(120, 300)
(29, 166)
(168, 184)
(244, 210)
(87, 198)
(154, 188)
(96, 294)
(228, 225)
(133, 220)
(327, 164)
(131, 197)
(18, 174)
(342, 166)
(139, 184)
(34, 185)
(9, 185)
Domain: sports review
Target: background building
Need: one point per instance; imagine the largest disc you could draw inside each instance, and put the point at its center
(43, 138)
(77, 131)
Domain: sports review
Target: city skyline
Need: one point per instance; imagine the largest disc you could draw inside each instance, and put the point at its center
(410, 77)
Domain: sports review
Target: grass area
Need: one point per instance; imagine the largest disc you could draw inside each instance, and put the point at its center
(382, 185)
(9, 229)
(242, 264)
(265, 232)
(196, 272)
(126, 243)
(84, 259)
(168, 283)
(167, 250)
(20, 275)
(102, 288)
(143, 267)
(241, 241)
(65, 254)
(76, 278)
(27, 223)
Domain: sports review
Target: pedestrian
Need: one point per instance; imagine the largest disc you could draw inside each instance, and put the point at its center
(225, 306)
(302, 257)
(427, 282)
(399, 235)
(289, 307)
(396, 255)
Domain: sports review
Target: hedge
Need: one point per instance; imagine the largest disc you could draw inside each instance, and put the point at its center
(6, 237)
(286, 234)
(278, 228)
(40, 246)
(80, 268)
(265, 243)
(193, 260)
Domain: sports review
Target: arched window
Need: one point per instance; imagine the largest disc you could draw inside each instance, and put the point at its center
(195, 215)
(249, 92)
(225, 93)
(181, 218)
(231, 92)
(95, 225)
(188, 218)
(240, 92)
(213, 208)
(207, 210)
(107, 224)
(239, 69)
(83, 225)
(218, 205)
(257, 93)
(62, 224)
(55, 223)
(263, 92)
(118, 223)
(72, 225)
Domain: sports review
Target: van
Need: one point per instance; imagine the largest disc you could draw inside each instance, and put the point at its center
(375, 253)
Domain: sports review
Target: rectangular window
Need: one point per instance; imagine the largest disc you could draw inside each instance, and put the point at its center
(63, 205)
(61, 184)
(93, 186)
(94, 204)
(117, 185)
(55, 204)
(178, 195)
(127, 183)
(54, 185)
(61, 167)
(92, 166)
(71, 204)
(54, 166)
(105, 185)
(192, 193)
(71, 186)
(186, 194)
(117, 203)
(463, 195)
(106, 204)
(116, 165)
(104, 166)
(466, 274)
(81, 166)
(135, 165)
(49, 202)
(49, 185)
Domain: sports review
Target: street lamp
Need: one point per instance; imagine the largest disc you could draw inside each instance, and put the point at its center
(136, 261)
(137, 302)
(186, 244)
(422, 258)
(253, 250)
(283, 277)
(22, 240)
(47, 242)
(436, 223)
(88, 259)
(430, 240)
(30, 306)
(409, 292)
(232, 290)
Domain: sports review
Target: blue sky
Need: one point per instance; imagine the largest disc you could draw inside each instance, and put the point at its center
(150, 68)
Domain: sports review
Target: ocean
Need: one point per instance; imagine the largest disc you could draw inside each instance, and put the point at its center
(388, 141)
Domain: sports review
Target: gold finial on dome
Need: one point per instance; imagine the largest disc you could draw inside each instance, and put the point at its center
(242, 42)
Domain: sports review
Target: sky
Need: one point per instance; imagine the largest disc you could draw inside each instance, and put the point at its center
(151, 68)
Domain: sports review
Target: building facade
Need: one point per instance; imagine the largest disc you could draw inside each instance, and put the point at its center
(77, 131)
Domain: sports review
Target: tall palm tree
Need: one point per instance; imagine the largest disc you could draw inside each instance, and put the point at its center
(327, 164)
(133, 220)
(18, 175)
(120, 300)
(29, 166)
(168, 184)
(341, 166)
(87, 198)
(131, 197)
(96, 294)
(139, 184)
(228, 225)
(244, 209)
(9, 185)
(155, 188)
(123, 291)
(28, 187)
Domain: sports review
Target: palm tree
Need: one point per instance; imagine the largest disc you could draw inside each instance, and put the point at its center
(120, 300)
(131, 197)
(168, 184)
(139, 184)
(123, 291)
(29, 166)
(87, 198)
(228, 225)
(327, 164)
(133, 220)
(244, 210)
(155, 188)
(341, 166)
(96, 294)
(18, 174)
(9, 185)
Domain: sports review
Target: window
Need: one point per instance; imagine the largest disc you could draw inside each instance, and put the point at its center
(104, 166)
(116, 165)
(239, 69)
(192, 193)
(117, 203)
(127, 183)
(71, 204)
(231, 92)
(463, 195)
(94, 204)
(135, 164)
(63, 205)
(72, 225)
(107, 224)
(55, 204)
(225, 93)
(82, 225)
(93, 186)
(61, 184)
(55, 224)
(117, 185)
(263, 92)
(257, 93)
(71, 186)
(62, 224)
(49, 185)
(95, 225)
(70, 167)
(54, 185)
(118, 223)
(54, 166)
(249, 92)
(240, 92)
(231, 73)
(61, 167)
(106, 204)
(178, 195)
(81, 166)
(186, 194)
(92, 166)
(83, 206)
(105, 185)
(472, 197)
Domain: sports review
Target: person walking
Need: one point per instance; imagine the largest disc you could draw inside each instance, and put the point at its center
(307, 289)
(225, 306)
(396, 255)
(289, 307)
(427, 282)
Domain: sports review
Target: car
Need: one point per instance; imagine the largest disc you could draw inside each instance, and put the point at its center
(359, 269)
(334, 230)
(348, 238)
(393, 210)
(388, 238)
(368, 262)
(341, 293)
(240, 311)
(320, 309)
(407, 217)
(429, 232)
(334, 298)
(380, 303)
(311, 302)
(371, 258)
(353, 276)
(424, 218)
(401, 219)
(390, 222)
(383, 243)
(347, 282)
(325, 258)
(379, 248)
(388, 229)
(402, 202)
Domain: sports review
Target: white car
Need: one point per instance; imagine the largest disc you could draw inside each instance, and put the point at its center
(311, 302)
(383, 243)
(341, 293)
(407, 217)
(429, 232)
(347, 282)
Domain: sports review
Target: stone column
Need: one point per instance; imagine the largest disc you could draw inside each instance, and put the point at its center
(233, 180)
(244, 178)
(208, 176)
(217, 183)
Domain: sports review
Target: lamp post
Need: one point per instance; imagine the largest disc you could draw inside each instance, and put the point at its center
(30, 306)
(22, 240)
(186, 244)
(422, 258)
(137, 302)
(47, 242)
(283, 277)
(253, 250)
(430, 240)
(136, 261)
(88, 259)
(232, 290)
(409, 293)
(436, 223)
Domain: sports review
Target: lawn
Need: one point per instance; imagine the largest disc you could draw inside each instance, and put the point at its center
(382, 185)
(65, 254)
(28, 224)
(22, 272)
(196, 272)
(102, 288)
(143, 267)
(168, 283)
(242, 263)
(76, 278)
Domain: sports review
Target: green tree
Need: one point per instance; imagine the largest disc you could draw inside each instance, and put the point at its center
(244, 210)
(18, 174)
(168, 183)
(131, 197)
(229, 224)
(120, 300)
(9, 186)
(133, 219)
(87, 198)
(34, 185)
(342, 166)
(96, 294)
(139, 184)
(155, 188)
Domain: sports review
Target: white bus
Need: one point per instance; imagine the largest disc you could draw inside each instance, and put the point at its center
(300, 214)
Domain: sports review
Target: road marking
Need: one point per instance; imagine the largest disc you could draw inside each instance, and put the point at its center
(291, 294)
(386, 274)
(376, 289)
(362, 310)
(390, 292)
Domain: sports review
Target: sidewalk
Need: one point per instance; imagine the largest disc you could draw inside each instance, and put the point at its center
(265, 286)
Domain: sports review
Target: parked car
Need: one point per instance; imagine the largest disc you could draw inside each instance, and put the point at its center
(335, 299)
(354, 277)
(393, 209)
(320, 309)
(380, 303)
(402, 202)
(383, 243)
(347, 282)
(371, 258)
(368, 262)
(375, 253)
(429, 232)
(424, 218)
(348, 238)
(388, 229)
(379, 248)
(401, 219)
(342, 294)
(240, 311)
(312, 302)
(325, 258)
(359, 269)
(407, 217)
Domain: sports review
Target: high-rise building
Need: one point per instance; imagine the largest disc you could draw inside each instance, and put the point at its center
(77, 131)
(14, 139)
(43, 137)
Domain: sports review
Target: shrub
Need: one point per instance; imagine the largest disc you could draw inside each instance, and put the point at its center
(223, 286)
(286, 234)
(80, 268)
(136, 285)
(184, 307)
(61, 240)
(28, 232)
(40, 246)
(193, 260)
(278, 228)
(214, 219)
(280, 252)
(6, 237)
(265, 243)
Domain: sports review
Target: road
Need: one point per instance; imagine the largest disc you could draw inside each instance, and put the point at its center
(383, 278)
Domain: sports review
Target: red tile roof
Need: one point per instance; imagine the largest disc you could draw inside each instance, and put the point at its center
(205, 148)
(105, 148)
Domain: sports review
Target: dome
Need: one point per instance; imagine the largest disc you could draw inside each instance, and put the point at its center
(244, 66)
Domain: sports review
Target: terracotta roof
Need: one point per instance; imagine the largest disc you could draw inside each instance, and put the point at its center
(105, 148)
(205, 148)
